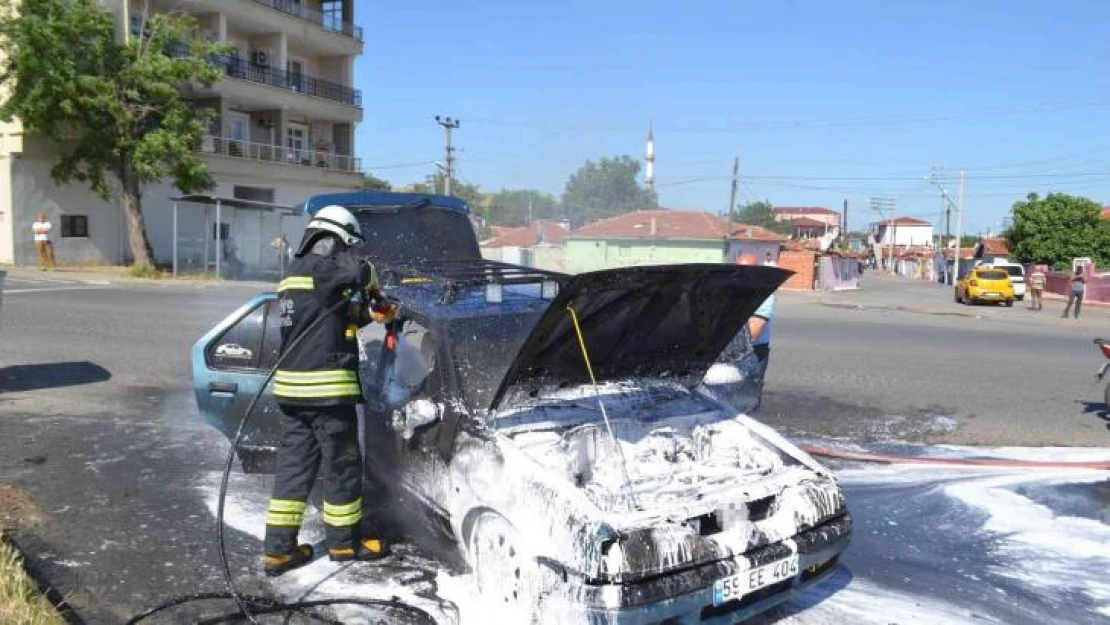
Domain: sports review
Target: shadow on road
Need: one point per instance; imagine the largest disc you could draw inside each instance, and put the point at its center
(809, 598)
(36, 377)
(1097, 408)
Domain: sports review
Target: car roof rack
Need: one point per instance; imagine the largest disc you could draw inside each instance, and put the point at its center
(454, 276)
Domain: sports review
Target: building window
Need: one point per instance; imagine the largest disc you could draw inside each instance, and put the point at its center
(75, 226)
(254, 194)
(332, 11)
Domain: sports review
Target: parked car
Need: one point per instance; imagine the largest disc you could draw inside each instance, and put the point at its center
(985, 284)
(1017, 276)
(612, 494)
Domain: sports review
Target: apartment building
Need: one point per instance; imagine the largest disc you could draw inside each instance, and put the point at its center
(287, 111)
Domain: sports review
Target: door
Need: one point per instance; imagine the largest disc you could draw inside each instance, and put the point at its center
(296, 141)
(294, 69)
(237, 133)
(229, 366)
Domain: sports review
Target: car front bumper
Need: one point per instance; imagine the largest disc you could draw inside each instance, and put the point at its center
(665, 600)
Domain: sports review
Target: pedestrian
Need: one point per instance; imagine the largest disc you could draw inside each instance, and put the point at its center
(1078, 286)
(41, 229)
(317, 388)
(1036, 288)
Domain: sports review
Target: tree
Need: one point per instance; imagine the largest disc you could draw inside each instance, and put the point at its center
(762, 214)
(1058, 228)
(606, 188)
(112, 108)
(370, 182)
(510, 207)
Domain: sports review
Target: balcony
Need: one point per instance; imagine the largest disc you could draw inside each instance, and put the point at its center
(323, 20)
(236, 67)
(265, 153)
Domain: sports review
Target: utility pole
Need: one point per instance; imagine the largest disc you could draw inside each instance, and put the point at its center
(934, 178)
(448, 124)
(959, 225)
(844, 221)
(882, 204)
(735, 182)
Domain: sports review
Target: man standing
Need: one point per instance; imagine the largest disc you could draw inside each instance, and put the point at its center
(317, 388)
(1078, 287)
(1036, 288)
(41, 229)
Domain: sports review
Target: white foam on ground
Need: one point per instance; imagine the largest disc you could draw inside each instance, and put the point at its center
(863, 602)
(1051, 553)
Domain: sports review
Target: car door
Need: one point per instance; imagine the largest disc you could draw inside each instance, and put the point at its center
(230, 364)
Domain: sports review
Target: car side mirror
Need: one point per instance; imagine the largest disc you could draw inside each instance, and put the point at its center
(415, 414)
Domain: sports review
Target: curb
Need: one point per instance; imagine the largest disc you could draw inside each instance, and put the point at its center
(865, 456)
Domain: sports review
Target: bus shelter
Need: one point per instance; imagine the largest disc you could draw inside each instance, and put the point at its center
(235, 238)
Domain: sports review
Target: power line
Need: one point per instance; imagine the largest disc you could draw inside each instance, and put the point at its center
(400, 165)
(875, 120)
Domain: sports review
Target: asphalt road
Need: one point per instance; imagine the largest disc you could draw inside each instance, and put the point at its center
(98, 425)
(901, 360)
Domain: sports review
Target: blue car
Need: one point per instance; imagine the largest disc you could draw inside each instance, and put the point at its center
(557, 426)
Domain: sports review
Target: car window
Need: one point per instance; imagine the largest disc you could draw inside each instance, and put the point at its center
(239, 346)
(993, 275)
(1014, 270)
(271, 339)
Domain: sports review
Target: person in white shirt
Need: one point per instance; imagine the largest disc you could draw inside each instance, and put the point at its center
(41, 229)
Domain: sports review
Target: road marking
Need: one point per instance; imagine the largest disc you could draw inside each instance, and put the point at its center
(49, 289)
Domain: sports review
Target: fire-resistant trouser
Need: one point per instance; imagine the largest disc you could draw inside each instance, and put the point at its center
(312, 436)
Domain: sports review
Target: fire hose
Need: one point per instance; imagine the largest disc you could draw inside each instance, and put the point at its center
(250, 606)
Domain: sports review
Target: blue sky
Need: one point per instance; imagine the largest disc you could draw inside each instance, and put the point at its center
(822, 101)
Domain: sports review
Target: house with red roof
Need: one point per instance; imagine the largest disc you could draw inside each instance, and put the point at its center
(659, 237)
(902, 232)
(819, 214)
(541, 245)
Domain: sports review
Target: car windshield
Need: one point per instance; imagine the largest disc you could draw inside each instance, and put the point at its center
(993, 275)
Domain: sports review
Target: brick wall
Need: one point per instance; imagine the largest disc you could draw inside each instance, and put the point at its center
(803, 265)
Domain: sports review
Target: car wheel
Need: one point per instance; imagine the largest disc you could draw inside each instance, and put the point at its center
(957, 294)
(1020, 298)
(1106, 396)
(1009, 303)
(505, 574)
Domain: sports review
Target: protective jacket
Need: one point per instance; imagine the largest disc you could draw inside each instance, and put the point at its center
(323, 368)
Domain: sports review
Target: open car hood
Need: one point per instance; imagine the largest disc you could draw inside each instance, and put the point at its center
(663, 321)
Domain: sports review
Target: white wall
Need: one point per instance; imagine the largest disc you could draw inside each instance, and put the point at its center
(906, 234)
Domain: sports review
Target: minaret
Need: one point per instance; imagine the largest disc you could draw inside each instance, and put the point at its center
(649, 170)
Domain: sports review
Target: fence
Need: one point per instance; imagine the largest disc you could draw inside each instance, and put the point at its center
(1059, 282)
(328, 21)
(278, 154)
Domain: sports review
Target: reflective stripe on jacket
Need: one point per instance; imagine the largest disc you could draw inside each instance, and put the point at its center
(323, 368)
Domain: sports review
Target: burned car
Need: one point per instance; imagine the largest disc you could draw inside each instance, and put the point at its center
(555, 425)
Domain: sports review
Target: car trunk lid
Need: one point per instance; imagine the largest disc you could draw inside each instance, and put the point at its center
(665, 321)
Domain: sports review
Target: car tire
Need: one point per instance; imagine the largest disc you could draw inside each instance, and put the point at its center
(957, 294)
(1020, 298)
(1106, 396)
(504, 574)
(1009, 303)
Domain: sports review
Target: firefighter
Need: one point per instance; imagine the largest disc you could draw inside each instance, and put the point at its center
(317, 388)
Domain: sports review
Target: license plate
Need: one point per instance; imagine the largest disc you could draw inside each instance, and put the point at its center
(736, 586)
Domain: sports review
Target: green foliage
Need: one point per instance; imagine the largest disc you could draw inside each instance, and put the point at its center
(112, 108)
(147, 272)
(968, 241)
(1058, 228)
(370, 182)
(606, 188)
(761, 214)
(510, 207)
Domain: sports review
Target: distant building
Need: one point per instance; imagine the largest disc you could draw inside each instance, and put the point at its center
(902, 231)
(285, 112)
(826, 216)
(990, 249)
(541, 245)
(647, 237)
(808, 228)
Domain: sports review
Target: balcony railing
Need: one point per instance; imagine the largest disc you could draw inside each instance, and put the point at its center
(237, 67)
(325, 20)
(306, 157)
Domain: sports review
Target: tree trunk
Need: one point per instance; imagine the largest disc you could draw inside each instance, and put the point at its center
(136, 226)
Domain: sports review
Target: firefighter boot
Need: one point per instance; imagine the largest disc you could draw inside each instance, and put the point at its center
(369, 549)
(277, 564)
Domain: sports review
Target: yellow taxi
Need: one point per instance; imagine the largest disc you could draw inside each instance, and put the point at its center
(985, 284)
